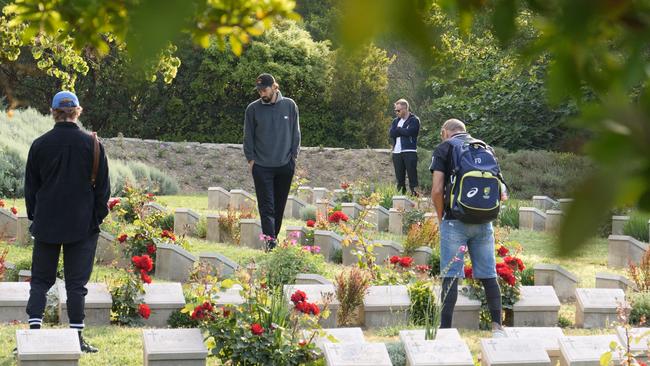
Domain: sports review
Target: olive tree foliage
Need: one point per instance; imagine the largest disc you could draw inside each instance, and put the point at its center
(60, 32)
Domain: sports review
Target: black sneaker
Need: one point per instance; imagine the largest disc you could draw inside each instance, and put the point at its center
(270, 245)
(85, 347)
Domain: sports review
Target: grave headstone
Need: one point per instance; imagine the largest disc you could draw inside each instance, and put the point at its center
(466, 311)
(538, 306)
(328, 241)
(412, 335)
(98, 303)
(224, 265)
(438, 353)
(320, 193)
(58, 347)
(357, 195)
(513, 351)
(639, 338)
(553, 220)
(250, 230)
(544, 202)
(306, 194)
(212, 231)
(163, 299)
(618, 223)
(218, 198)
(231, 296)
(185, 221)
(357, 354)
(317, 294)
(612, 280)
(422, 256)
(8, 224)
(384, 249)
(548, 337)
(340, 335)
(623, 249)
(586, 350)
(24, 275)
(173, 263)
(565, 203)
(596, 307)
(349, 258)
(378, 218)
(297, 233)
(107, 248)
(164, 347)
(241, 200)
(403, 203)
(395, 218)
(150, 208)
(293, 207)
(13, 300)
(385, 306)
(352, 209)
(311, 278)
(532, 218)
(23, 236)
(563, 281)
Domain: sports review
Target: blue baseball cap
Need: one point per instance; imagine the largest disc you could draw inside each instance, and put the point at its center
(64, 99)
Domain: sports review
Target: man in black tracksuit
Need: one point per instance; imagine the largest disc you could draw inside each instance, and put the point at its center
(404, 137)
(66, 209)
(271, 146)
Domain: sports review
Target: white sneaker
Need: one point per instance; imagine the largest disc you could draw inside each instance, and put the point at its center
(499, 333)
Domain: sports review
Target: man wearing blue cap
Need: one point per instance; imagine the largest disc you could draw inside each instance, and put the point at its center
(67, 188)
(271, 146)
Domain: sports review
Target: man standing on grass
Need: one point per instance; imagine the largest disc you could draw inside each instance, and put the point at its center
(466, 192)
(404, 136)
(67, 188)
(271, 146)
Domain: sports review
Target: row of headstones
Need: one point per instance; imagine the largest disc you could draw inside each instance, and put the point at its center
(385, 306)
(347, 346)
(14, 226)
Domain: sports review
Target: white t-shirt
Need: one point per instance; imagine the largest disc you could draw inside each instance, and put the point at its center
(398, 142)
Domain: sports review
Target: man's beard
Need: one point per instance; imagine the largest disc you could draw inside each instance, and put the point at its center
(266, 99)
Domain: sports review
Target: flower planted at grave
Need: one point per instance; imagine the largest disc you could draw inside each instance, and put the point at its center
(130, 206)
(144, 238)
(229, 224)
(127, 291)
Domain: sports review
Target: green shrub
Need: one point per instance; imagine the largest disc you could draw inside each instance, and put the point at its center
(424, 174)
(164, 221)
(637, 227)
(308, 213)
(564, 322)
(397, 353)
(337, 255)
(181, 320)
(509, 214)
(419, 294)
(11, 275)
(410, 218)
(434, 262)
(202, 227)
(386, 193)
(528, 277)
(283, 264)
(12, 173)
(640, 307)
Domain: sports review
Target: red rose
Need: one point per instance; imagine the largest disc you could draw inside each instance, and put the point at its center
(303, 343)
(394, 259)
(314, 309)
(2, 203)
(207, 306)
(151, 248)
(302, 306)
(298, 296)
(503, 251)
(151, 196)
(311, 223)
(168, 234)
(514, 263)
(345, 185)
(225, 312)
(405, 262)
(144, 276)
(143, 262)
(197, 314)
(338, 216)
(422, 268)
(257, 329)
(144, 311)
(122, 238)
(468, 272)
(112, 203)
(14, 211)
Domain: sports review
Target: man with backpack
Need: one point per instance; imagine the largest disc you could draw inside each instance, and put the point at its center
(67, 189)
(466, 192)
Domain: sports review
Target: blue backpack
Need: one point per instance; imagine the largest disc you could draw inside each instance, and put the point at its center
(474, 192)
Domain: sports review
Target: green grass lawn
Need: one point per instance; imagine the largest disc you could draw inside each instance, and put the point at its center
(123, 346)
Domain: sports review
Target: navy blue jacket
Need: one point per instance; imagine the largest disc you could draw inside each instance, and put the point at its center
(408, 133)
(61, 201)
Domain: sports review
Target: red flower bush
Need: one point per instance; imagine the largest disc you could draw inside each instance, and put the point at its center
(338, 216)
(144, 310)
(311, 223)
(122, 238)
(394, 259)
(113, 202)
(151, 248)
(506, 273)
(144, 276)
(14, 211)
(502, 251)
(203, 311)
(405, 262)
(298, 297)
(257, 329)
(423, 268)
(143, 262)
(515, 263)
(168, 234)
(468, 272)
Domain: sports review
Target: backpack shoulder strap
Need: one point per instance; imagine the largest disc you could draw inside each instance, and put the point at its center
(93, 176)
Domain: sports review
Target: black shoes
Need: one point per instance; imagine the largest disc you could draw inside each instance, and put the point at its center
(270, 245)
(85, 347)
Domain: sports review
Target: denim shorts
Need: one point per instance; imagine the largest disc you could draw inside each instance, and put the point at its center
(479, 240)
